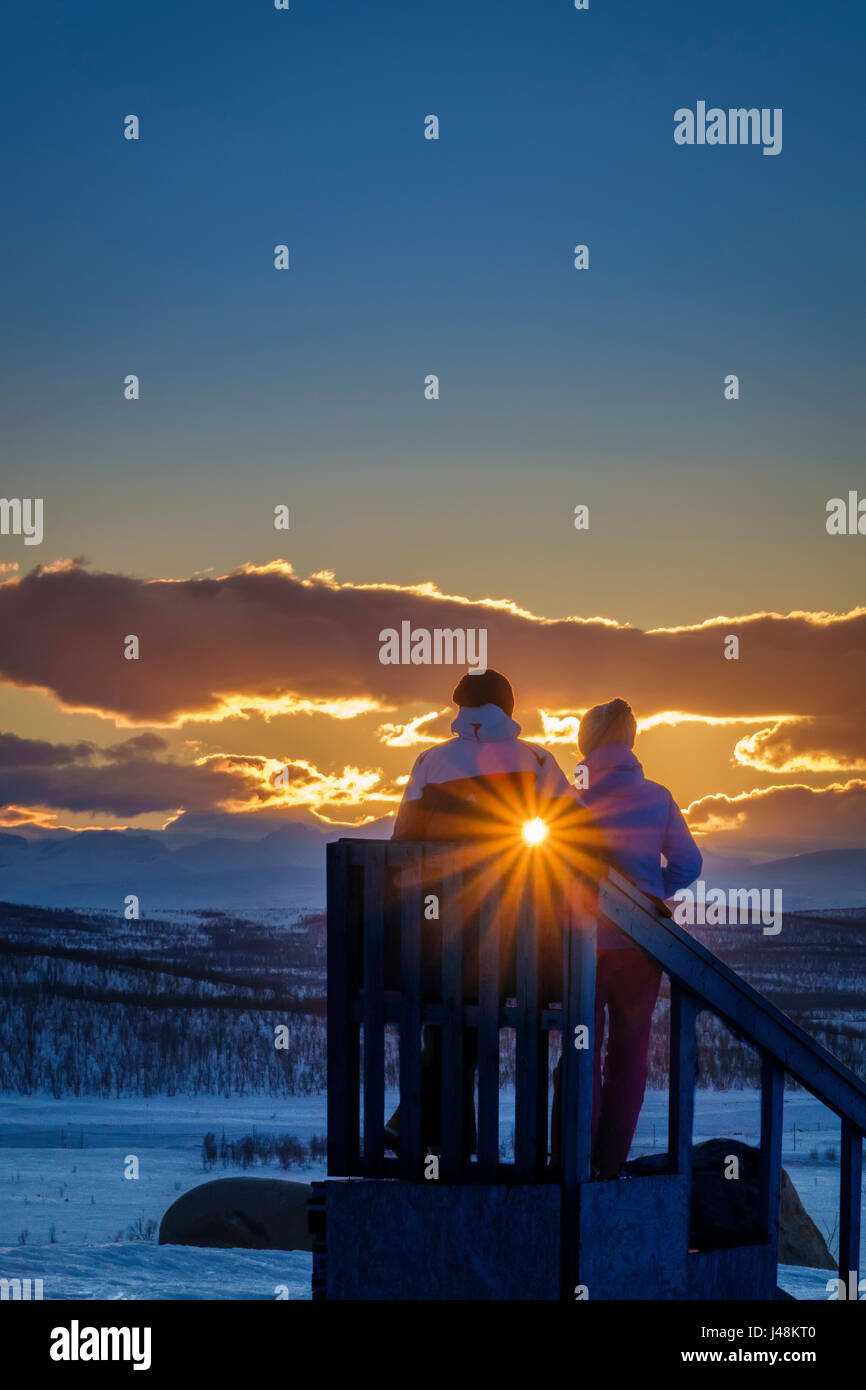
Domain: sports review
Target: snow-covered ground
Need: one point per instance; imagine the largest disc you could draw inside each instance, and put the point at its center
(62, 1165)
(142, 1270)
(62, 1162)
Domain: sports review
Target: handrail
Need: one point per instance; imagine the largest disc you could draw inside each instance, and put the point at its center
(725, 993)
(699, 980)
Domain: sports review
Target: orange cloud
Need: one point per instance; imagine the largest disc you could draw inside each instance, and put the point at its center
(410, 735)
(562, 727)
(263, 641)
(11, 816)
(805, 745)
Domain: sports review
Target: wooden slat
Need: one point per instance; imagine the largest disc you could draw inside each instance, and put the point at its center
(724, 993)
(683, 1075)
(772, 1102)
(542, 1098)
(548, 912)
(488, 1029)
(451, 908)
(578, 1010)
(526, 1071)
(411, 925)
(374, 1009)
(343, 1118)
(850, 1180)
(579, 950)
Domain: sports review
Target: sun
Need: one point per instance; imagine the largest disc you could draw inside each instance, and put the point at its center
(534, 831)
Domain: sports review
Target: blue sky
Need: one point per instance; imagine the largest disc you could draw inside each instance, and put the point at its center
(454, 257)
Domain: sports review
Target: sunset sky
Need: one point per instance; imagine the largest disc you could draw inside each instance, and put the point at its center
(306, 388)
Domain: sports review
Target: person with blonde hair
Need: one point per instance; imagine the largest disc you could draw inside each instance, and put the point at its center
(642, 826)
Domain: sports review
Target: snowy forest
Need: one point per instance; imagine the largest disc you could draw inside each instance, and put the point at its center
(212, 1003)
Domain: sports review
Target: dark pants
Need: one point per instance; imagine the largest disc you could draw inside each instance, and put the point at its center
(627, 986)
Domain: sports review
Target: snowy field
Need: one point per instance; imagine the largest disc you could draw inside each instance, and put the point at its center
(66, 1209)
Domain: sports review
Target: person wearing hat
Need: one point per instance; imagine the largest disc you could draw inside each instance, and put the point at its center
(641, 825)
(487, 784)
(484, 778)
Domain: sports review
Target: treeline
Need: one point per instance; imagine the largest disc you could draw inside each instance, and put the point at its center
(92, 1005)
(58, 1047)
(285, 1149)
(725, 1062)
(96, 1006)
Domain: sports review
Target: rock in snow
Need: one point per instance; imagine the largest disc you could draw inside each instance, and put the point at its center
(240, 1213)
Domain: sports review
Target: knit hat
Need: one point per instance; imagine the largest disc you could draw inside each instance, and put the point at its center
(610, 723)
(487, 688)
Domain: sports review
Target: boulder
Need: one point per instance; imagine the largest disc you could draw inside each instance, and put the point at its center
(725, 1210)
(242, 1213)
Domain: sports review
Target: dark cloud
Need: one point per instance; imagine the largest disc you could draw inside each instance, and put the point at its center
(142, 745)
(784, 820)
(259, 636)
(34, 752)
(132, 784)
(125, 780)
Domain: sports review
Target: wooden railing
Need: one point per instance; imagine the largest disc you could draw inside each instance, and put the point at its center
(439, 936)
(487, 961)
(699, 980)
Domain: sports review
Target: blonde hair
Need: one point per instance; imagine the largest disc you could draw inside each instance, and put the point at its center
(610, 723)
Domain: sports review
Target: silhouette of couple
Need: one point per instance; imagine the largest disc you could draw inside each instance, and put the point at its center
(486, 779)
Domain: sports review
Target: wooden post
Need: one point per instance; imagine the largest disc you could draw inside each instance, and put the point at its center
(489, 924)
(526, 1078)
(411, 916)
(578, 1011)
(451, 908)
(772, 1100)
(850, 1179)
(374, 1009)
(343, 1050)
(683, 1076)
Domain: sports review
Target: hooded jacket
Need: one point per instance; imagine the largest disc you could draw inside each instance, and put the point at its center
(484, 783)
(640, 822)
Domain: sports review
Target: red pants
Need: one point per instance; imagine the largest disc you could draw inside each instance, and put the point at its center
(627, 985)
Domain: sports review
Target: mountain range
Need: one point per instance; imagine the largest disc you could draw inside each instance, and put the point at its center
(189, 866)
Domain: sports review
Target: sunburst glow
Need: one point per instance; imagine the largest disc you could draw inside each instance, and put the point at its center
(534, 831)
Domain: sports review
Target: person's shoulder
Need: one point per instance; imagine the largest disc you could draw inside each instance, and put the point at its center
(435, 755)
(550, 777)
(660, 794)
(541, 755)
(657, 789)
